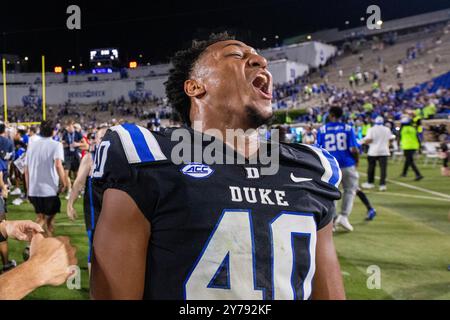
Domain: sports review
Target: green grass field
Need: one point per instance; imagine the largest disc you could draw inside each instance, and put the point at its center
(409, 241)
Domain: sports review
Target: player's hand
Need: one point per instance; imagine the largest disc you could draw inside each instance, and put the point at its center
(22, 230)
(63, 188)
(52, 258)
(71, 213)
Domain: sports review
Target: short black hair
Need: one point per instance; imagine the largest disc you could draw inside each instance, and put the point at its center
(336, 112)
(47, 129)
(183, 63)
(2, 128)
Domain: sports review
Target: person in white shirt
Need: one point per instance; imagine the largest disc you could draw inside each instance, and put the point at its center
(378, 138)
(43, 167)
(32, 135)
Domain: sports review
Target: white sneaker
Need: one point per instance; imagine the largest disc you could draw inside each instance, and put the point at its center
(344, 223)
(366, 185)
(17, 202)
(382, 188)
(16, 192)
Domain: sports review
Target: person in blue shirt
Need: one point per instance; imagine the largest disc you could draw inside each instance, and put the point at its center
(20, 143)
(6, 151)
(6, 155)
(339, 140)
(23, 136)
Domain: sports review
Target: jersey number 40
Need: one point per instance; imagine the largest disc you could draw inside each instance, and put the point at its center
(231, 244)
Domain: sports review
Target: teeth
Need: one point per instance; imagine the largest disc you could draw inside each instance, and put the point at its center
(264, 77)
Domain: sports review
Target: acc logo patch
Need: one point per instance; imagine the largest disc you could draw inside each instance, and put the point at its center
(197, 170)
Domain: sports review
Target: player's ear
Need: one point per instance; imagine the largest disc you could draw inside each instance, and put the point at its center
(194, 88)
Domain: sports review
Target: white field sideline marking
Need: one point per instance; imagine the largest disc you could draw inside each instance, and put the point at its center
(406, 185)
(412, 196)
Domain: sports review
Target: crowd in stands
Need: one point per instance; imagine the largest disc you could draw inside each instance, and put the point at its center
(139, 110)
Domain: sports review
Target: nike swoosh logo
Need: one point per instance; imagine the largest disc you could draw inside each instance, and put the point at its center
(298, 180)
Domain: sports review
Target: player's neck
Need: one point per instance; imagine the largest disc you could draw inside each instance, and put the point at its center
(243, 141)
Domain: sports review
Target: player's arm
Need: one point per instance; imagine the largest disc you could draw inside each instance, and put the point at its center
(320, 140)
(60, 171)
(328, 284)
(83, 173)
(59, 158)
(353, 146)
(3, 187)
(82, 144)
(355, 154)
(26, 174)
(63, 140)
(122, 231)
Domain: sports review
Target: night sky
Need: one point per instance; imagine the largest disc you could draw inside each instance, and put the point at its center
(156, 29)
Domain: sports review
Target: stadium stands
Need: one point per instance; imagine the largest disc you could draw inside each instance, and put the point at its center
(319, 80)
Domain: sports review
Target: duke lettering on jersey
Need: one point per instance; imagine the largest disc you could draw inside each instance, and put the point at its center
(262, 196)
(222, 231)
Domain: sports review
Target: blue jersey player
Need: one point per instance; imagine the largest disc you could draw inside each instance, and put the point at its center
(339, 140)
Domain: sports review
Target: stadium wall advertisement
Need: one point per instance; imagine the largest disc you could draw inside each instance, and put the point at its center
(85, 92)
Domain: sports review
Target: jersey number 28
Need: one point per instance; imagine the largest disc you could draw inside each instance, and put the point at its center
(336, 142)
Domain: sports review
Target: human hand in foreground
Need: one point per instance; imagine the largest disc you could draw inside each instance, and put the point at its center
(52, 257)
(22, 230)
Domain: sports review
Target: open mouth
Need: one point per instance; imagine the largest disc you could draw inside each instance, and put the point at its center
(262, 84)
